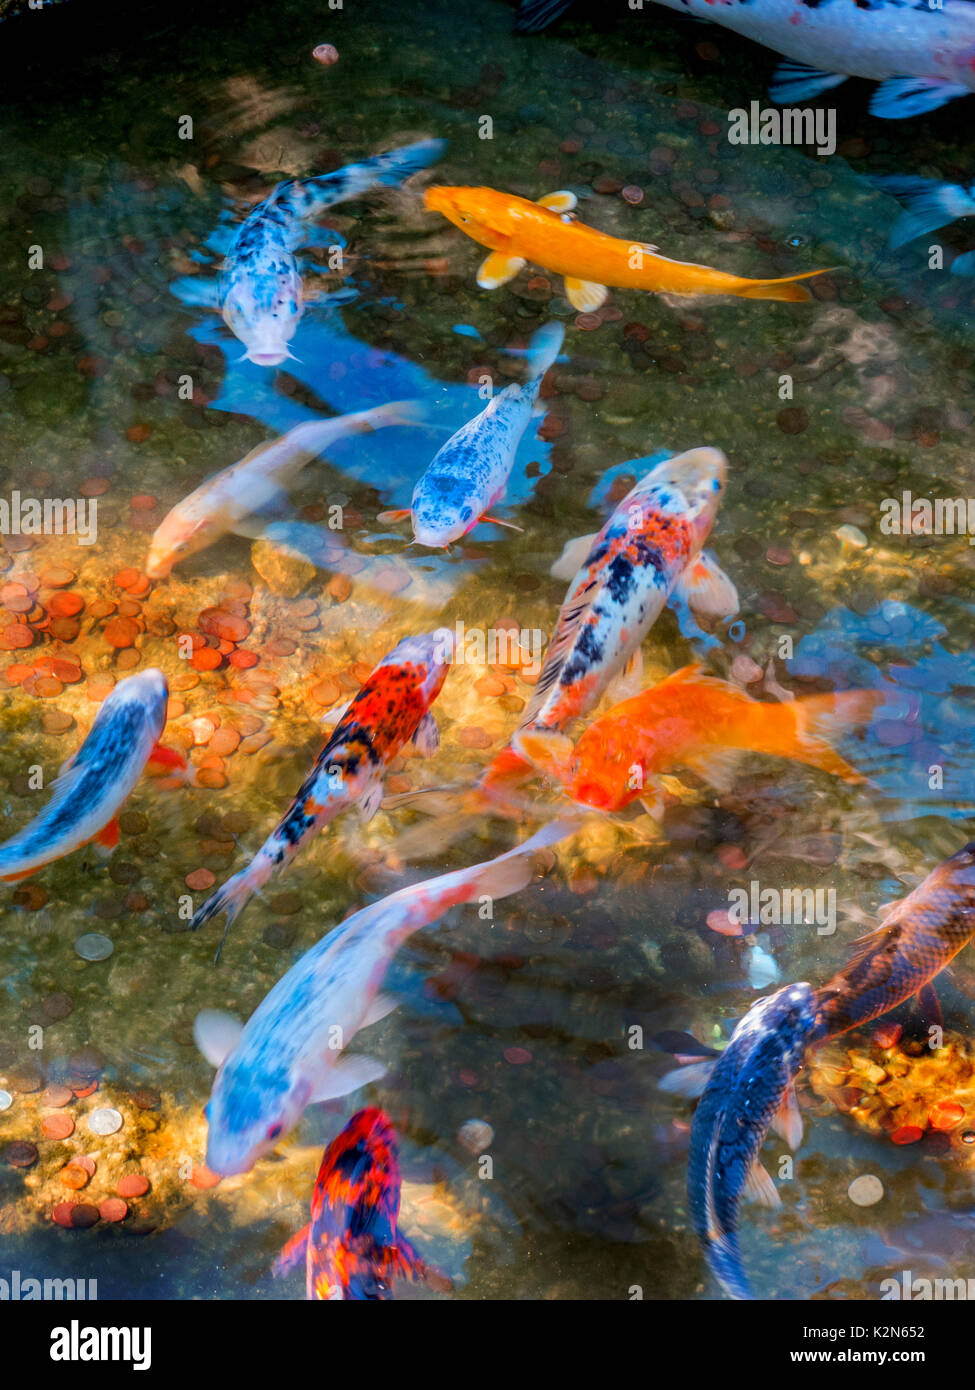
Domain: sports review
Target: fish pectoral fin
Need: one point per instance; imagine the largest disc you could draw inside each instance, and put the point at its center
(216, 1034)
(509, 525)
(716, 766)
(332, 716)
(787, 1120)
(562, 201)
(547, 751)
(929, 1006)
(344, 1076)
(653, 804)
(108, 837)
(913, 96)
(574, 552)
(397, 514)
(760, 1188)
(405, 1261)
(497, 269)
(800, 82)
(382, 1005)
(195, 290)
(706, 589)
(585, 295)
(426, 737)
(292, 1254)
(690, 1081)
(371, 799)
(629, 681)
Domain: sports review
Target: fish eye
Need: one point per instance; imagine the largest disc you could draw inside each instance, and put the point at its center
(795, 241)
(274, 1132)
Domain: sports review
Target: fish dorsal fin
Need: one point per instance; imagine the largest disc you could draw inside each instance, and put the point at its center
(216, 1034)
(570, 619)
(561, 201)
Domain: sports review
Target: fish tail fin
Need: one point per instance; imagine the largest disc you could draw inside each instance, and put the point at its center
(236, 893)
(292, 1254)
(785, 288)
(392, 413)
(927, 205)
(544, 347)
(821, 720)
(397, 165)
(538, 14)
(510, 872)
(724, 1257)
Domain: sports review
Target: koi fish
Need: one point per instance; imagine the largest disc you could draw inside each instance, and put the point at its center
(928, 205)
(470, 473)
(260, 291)
(699, 722)
(353, 1248)
(391, 709)
(648, 552)
(518, 231)
(96, 781)
(923, 55)
(752, 1085)
(287, 1055)
(257, 481)
(920, 935)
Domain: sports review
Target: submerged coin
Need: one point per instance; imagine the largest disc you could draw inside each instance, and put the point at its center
(94, 946)
(104, 1120)
(6, 1100)
(865, 1190)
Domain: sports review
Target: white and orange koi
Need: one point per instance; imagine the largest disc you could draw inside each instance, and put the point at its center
(257, 481)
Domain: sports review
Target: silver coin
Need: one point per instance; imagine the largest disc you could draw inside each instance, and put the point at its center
(104, 1121)
(475, 1135)
(94, 946)
(6, 1100)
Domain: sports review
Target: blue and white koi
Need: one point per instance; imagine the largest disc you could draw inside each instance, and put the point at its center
(291, 1052)
(260, 290)
(751, 1087)
(96, 781)
(256, 482)
(470, 473)
(392, 707)
(922, 54)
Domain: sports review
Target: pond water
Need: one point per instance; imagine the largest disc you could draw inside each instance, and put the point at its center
(114, 388)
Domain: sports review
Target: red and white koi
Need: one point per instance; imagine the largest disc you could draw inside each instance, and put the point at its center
(291, 1052)
(470, 473)
(97, 779)
(257, 481)
(392, 708)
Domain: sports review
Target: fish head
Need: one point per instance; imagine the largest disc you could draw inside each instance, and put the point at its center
(251, 1108)
(175, 539)
(430, 654)
(602, 766)
(141, 699)
(790, 1014)
(442, 510)
(263, 311)
(689, 484)
(484, 214)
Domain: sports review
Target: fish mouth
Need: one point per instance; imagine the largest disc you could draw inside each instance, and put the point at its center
(268, 357)
(158, 568)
